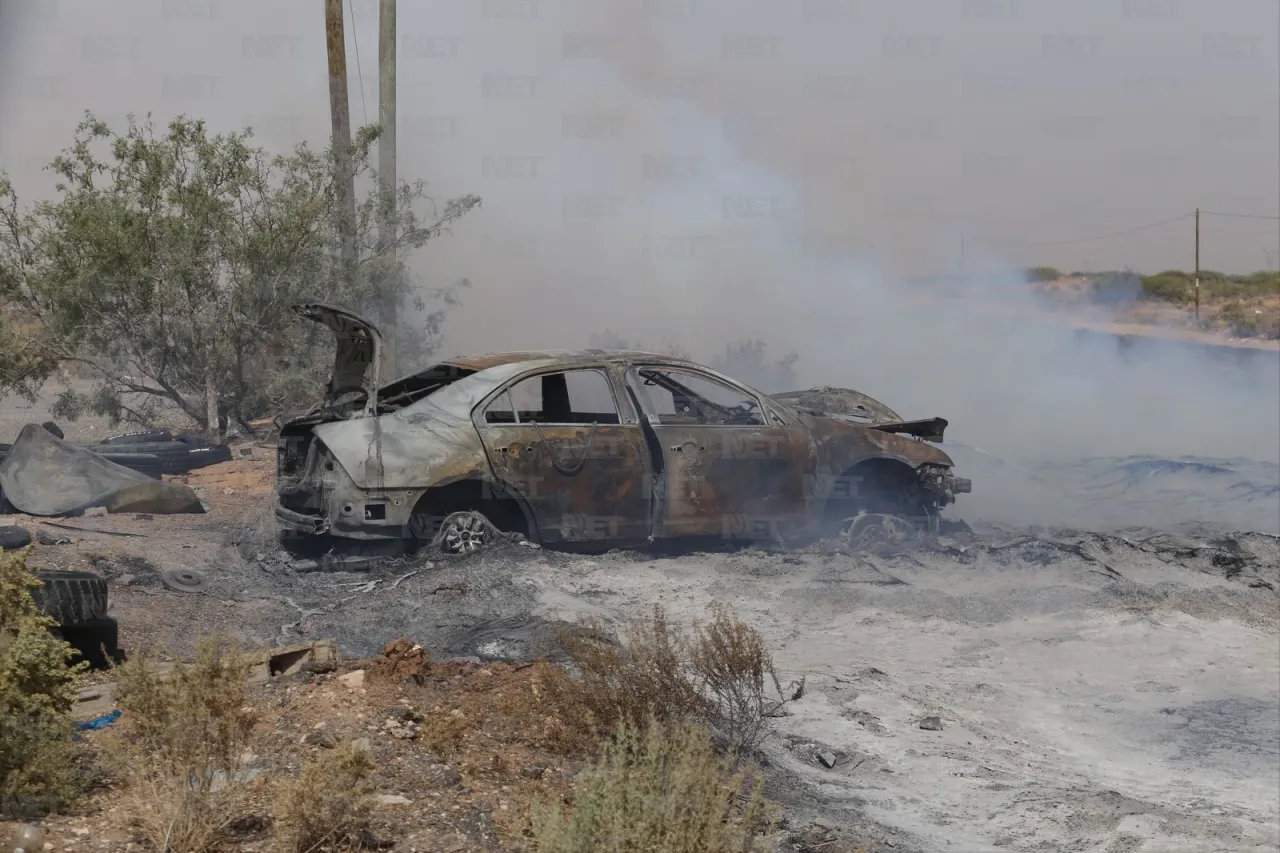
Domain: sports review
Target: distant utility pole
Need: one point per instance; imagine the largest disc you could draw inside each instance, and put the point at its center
(389, 287)
(1197, 263)
(340, 113)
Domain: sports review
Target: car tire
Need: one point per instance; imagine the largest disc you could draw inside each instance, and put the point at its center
(173, 455)
(140, 437)
(203, 457)
(144, 463)
(96, 642)
(13, 537)
(72, 598)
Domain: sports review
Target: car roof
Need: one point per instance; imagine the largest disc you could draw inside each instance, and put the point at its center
(566, 357)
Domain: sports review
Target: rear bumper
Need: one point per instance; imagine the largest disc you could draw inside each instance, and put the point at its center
(300, 523)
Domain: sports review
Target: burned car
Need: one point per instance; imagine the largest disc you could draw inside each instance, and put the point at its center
(586, 448)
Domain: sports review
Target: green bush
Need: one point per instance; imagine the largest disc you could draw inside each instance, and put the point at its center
(1171, 286)
(39, 762)
(1179, 286)
(1038, 274)
(661, 788)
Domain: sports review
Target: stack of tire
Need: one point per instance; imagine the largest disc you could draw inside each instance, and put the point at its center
(161, 452)
(78, 602)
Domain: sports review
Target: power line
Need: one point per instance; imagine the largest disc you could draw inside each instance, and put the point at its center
(355, 41)
(1237, 215)
(1107, 236)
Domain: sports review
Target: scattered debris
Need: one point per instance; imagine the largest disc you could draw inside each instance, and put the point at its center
(43, 475)
(353, 679)
(51, 539)
(401, 660)
(828, 759)
(62, 526)
(931, 724)
(184, 580)
(98, 722)
(392, 800)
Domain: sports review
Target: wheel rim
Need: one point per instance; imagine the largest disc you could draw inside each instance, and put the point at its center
(465, 535)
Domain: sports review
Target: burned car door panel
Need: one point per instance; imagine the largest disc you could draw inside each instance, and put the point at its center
(729, 468)
(561, 440)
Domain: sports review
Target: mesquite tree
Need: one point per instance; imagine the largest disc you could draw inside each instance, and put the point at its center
(167, 262)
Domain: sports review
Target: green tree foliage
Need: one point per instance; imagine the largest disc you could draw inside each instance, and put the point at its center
(1038, 274)
(167, 262)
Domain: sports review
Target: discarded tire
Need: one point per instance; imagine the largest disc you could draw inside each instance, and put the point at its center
(13, 537)
(72, 598)
(4, 451)
(144, 463)
(97, 642)
(173, 455)
(139, 437)
(202, 457)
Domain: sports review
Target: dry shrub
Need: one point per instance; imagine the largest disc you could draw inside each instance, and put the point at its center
(664, 788)
(731, 665)
(187, 739)
(329, 803)
(616, 685)
(719, 676)
(38, 759)
(441, 732)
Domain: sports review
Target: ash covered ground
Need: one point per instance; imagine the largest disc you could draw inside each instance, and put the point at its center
(1108, 683)
(1108, 691)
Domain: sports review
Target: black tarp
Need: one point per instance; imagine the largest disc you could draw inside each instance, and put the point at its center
(44, 475)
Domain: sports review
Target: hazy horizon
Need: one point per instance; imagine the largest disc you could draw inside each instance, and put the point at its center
(706, 172)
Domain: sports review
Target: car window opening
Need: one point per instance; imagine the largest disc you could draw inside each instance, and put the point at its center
(682, 405)
(570, 397)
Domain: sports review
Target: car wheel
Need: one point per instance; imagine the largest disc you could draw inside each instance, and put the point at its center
(464, 533)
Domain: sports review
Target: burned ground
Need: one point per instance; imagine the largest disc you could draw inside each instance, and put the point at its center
(1105, 691)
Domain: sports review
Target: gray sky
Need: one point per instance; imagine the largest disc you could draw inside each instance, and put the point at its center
(706, 171)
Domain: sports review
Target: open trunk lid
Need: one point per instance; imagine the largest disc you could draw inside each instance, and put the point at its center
(356, 357)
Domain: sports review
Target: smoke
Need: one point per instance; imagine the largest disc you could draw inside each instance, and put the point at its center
(703, 175)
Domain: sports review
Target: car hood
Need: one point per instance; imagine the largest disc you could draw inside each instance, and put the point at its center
(356, 356)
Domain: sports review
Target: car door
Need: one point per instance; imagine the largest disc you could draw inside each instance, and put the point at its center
(572, 446)
(731, 466)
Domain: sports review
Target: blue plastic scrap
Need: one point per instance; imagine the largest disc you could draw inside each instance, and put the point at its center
(99, 723)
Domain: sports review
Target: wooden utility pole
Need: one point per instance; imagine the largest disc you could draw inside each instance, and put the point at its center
(1197, 264)
(340, 113)
(389, 287)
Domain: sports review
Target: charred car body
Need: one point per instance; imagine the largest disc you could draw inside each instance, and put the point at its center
(587, 448)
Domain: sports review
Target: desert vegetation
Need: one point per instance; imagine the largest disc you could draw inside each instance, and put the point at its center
(661, 723)
(164, 269)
